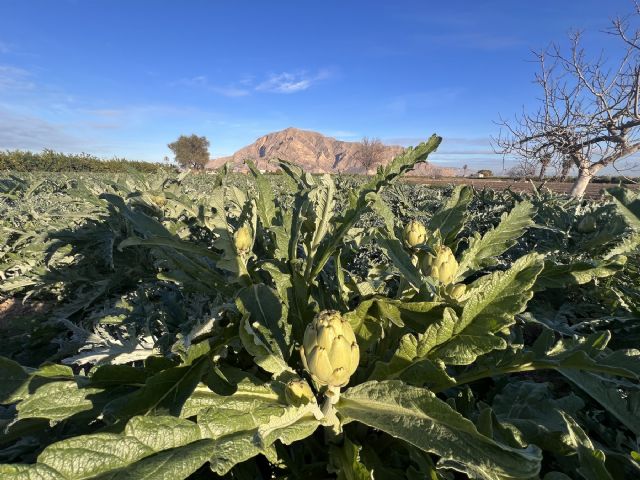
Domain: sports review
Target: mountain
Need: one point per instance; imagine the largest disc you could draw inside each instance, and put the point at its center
(311, 150)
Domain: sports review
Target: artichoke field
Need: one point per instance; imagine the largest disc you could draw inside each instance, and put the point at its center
(300, 326)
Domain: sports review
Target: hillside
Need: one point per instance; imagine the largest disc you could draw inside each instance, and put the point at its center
(313, 151)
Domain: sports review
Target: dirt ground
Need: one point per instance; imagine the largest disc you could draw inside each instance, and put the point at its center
(594, 190)
(13, 308)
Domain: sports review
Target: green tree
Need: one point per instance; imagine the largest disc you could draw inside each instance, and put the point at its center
(191, 151)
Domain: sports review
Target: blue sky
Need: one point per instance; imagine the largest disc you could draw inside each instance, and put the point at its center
(124, 78)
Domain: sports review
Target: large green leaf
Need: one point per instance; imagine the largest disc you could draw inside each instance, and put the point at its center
(323, 200)
(619, 398)
(264, 329)
(149, 447)
(452, 214)
(628, 204)
(483, 250)
(493, 300)
(592, 466)
(411, 362)
(491, 305)
(586, 354)
(265, 202)
(56, 401)
(401, 260)
(166, 391)
(532, 409)
(417, 416)
(577, 273)
(247, 423)
(12, 378)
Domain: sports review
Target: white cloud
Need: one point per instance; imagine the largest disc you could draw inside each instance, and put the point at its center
(284, 82)
(288, 82)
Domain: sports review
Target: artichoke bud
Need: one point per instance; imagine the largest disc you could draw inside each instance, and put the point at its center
(158, 200)
(414, 234)
(329, 351)
(243, 239)
(442, 266)
(456, 290)
(298, 392)
(587, 224)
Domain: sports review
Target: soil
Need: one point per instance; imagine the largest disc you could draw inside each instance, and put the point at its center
(12, 308)
(594, 190)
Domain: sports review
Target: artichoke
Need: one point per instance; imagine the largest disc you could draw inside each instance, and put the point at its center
(414, 234)
(442, 266)
(298, 392)
(456, 290)
(587, 224)
(243, 239)
(329, 351)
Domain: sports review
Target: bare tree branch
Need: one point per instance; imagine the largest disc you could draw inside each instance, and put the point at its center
(588, 116)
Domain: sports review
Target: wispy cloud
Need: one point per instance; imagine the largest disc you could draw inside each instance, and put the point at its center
(284, 82)
(291, 82)
(4, 47)
(14, 78)
(29, 132)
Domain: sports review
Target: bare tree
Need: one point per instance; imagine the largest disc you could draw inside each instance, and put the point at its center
(523, 170)
(369, 153)
(589, 114)
(465, 167)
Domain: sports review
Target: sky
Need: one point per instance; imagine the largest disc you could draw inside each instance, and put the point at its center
(125, 78)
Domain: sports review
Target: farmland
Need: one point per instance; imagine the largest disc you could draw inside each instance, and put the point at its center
(593, 190)
(194, 326)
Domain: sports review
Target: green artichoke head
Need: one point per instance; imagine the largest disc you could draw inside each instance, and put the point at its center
(456, 290)
(243, 238)
(329, 351)
(442, 266)
(298, 392)
(415, 233)
(587, 224)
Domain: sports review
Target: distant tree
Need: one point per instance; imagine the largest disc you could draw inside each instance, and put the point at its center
(485, 173)
(369, 153)
(191, 152)
(589, 113)
(522, 170)
(465, 167)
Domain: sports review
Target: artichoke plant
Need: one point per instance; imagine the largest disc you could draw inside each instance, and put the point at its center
(330, 352)
(442, 266)
(415, 233)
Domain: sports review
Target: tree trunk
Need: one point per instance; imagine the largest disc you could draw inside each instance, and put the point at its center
(566, 167)
(584, 177)
(543, 170)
